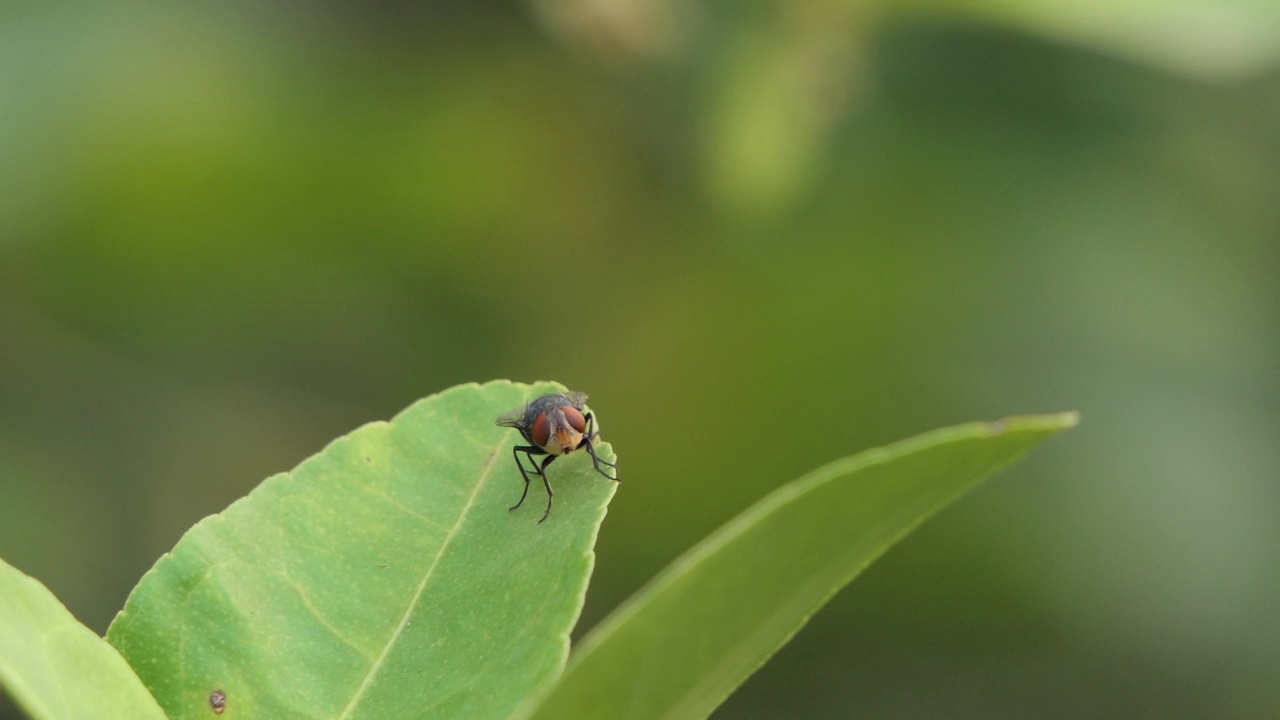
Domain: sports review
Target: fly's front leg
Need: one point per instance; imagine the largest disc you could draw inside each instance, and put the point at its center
(542, 470)
(590, 450)
(529, 451)
(597, 462)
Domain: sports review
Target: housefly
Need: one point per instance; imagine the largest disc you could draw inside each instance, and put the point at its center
(553, 425)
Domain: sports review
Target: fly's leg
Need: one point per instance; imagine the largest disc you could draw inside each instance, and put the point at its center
(542, 470)
(597, 462)
(590, 450)
(591, 433)
(529, 451)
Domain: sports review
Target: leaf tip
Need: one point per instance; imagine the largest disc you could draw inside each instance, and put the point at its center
(1052, 423)
(1069, 419)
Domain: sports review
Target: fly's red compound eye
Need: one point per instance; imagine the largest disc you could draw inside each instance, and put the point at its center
(541, 430)
(576, 421)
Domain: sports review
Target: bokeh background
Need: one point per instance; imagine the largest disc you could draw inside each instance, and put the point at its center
(762, 235)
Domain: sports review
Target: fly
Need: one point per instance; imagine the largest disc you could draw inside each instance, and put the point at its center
(553, 425)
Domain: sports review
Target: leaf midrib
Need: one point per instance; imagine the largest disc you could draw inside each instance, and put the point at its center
(422, 586)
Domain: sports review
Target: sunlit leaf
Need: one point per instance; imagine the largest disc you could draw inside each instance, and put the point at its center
(54, 667)
(682, 644)
(382, 578)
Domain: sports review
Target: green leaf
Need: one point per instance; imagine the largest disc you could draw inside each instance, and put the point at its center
(56, 668)
(682, 644)
(382, 578)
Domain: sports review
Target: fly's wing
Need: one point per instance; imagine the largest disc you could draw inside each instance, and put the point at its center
(576, 399)
(513, 418)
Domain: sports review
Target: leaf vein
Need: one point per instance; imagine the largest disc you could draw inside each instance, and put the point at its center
(422, 586)
(324, 622)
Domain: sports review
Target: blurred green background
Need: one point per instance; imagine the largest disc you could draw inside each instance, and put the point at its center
(761, 235)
